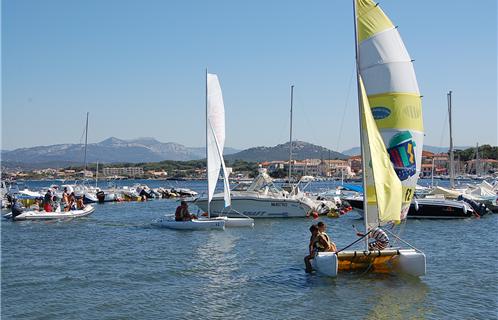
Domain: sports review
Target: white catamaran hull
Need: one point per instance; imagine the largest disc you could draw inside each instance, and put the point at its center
(42, 215)
(255, 207)
(197, 224)
(406, 261)
(236, 222)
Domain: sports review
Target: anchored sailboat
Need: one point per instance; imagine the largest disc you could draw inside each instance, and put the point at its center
(391, 142)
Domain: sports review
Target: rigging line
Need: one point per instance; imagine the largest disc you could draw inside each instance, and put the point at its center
(413, 247)
(348, 95)
(444, 130)
(82, 135)
(354, 242)
(309, 125)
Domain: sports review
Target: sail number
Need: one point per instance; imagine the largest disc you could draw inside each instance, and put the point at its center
(408, 194)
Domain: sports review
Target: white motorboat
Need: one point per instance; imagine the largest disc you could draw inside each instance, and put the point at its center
(262, 199)
(43, 215)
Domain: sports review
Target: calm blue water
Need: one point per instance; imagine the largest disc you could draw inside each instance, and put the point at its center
(114, 265)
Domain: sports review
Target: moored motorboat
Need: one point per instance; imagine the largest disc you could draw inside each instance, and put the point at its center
(43, 215)
(428, 208)
(262, 199)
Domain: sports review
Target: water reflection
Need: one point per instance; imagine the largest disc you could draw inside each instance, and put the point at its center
(397, 297)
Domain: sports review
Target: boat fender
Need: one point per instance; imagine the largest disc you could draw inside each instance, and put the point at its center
(464, 208)
(416, 205)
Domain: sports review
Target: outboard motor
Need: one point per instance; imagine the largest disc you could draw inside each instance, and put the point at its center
(479, 208)
(101, 196)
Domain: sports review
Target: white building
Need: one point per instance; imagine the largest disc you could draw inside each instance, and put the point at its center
(124, 171)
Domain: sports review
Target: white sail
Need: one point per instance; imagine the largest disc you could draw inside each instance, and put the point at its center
(215, 137)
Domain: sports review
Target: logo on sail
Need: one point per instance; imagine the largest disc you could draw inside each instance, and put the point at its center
(380, 113)
(402, 153)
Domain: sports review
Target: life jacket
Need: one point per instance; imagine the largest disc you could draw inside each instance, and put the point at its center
(181, 214)
(317, 243)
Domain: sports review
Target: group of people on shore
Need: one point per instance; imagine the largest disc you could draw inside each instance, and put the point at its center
(321, 242)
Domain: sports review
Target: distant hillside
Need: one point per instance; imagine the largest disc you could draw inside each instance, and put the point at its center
(300, 150)
(108, 151)
(352, 151)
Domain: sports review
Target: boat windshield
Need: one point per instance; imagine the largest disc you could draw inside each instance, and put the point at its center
(263, 183)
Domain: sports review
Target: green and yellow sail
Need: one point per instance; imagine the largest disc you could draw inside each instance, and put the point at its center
(394, 105)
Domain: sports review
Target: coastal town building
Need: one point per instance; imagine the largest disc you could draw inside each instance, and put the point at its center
(311, 167)
(124, 171)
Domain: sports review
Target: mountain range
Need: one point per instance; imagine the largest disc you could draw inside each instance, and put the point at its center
(114, 150)
(110, 150)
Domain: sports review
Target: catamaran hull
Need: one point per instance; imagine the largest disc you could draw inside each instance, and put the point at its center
(42, 215)
(256, 208)
(198, 224)
(236, 222)
(405, 261)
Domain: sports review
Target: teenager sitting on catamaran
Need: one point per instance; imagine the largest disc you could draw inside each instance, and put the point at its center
(327, 244)
(381, 240)
(182, 214)
(312, 250)
(319, 242)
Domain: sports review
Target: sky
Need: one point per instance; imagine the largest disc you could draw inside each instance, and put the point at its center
(139, 67)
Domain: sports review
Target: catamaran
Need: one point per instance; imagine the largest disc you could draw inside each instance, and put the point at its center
(390, 111)
(215, 143)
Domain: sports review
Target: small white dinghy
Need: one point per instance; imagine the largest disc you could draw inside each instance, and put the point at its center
(43, 215)
(195, 224)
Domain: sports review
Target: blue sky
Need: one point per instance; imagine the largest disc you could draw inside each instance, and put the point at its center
(138, 68)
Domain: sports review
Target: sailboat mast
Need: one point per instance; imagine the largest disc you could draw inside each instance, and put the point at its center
(290, 133)
(477, 160)
(452, 172)
(432, 172)
(360, 109)
(86, 143)
(97, 174)
(207, 158)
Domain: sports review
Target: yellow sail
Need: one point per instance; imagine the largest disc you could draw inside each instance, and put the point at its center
(383, 186)
(393, 94)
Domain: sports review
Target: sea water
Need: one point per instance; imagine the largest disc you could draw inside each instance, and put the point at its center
(115, 265)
